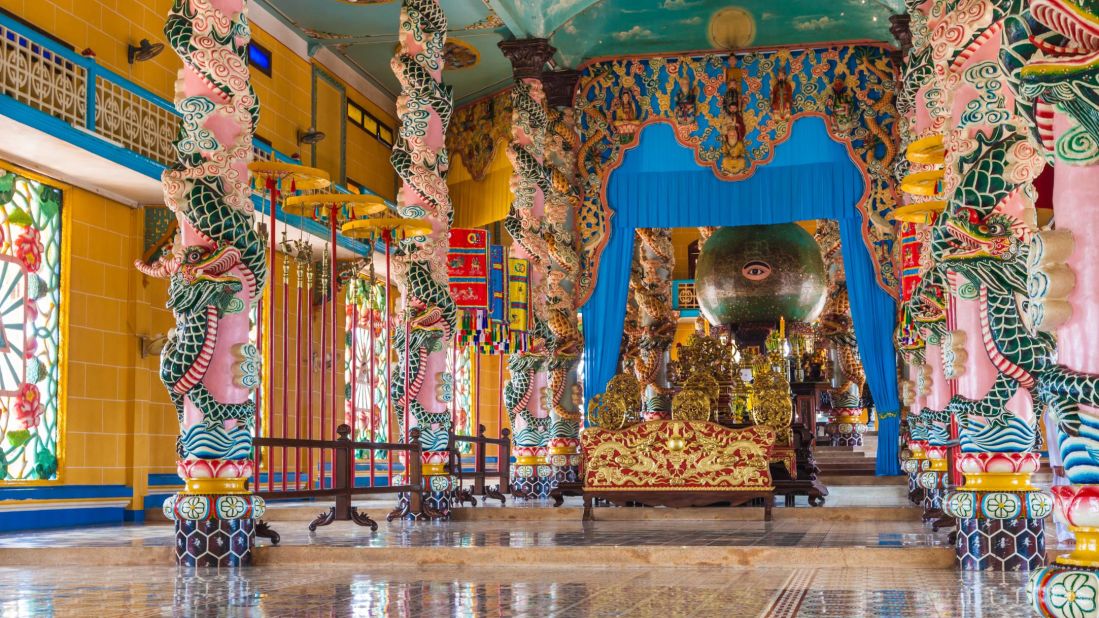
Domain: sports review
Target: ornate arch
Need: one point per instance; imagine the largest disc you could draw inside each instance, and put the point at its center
(732, 110)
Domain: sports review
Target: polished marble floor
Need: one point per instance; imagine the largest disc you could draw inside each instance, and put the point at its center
(519, 534)
(533, 592)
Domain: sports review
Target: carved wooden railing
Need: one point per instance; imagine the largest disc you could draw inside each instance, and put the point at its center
(299, 480)
(480, 472)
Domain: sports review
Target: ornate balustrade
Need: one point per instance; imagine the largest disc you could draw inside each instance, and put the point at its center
(44, 75)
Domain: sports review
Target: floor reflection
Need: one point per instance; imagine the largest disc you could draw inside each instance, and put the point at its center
(533, 592)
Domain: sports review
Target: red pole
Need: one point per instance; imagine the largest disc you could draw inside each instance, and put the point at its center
(259, 390)
(388, 358)
(453, 381)
(272, 253)
(309, 364)
(407, 368)
(372, 381)
(258, 400)
(476, 386)
(285, 359)
(353, 374)
(333, 215)
(298, 378)
(323, 358)
(500, 389)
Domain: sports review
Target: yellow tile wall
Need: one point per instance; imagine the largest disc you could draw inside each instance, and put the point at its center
(490, 386)
(120, 425)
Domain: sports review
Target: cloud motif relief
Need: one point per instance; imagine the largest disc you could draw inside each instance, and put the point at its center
(634, 34)
(679, 5)
(818, 23)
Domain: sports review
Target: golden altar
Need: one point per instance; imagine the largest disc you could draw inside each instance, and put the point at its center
(677, 463)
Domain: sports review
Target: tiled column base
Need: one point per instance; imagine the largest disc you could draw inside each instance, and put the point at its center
(1070, 586)
(915, 492)
(436, 500)
(532, 481)
(1001, 544)
(845, 434)
(932, 483)
(566, 468)
(215, 542)
(913, 466)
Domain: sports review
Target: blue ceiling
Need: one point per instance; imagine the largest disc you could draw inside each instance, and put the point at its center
(364, 32)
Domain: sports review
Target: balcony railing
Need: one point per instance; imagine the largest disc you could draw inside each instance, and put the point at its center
(683, 295)
(46, 76)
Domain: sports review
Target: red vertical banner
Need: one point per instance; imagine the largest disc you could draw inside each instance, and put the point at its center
(468, 269)
(910, 259)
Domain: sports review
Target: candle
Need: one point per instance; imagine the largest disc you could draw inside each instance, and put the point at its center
(781, 327)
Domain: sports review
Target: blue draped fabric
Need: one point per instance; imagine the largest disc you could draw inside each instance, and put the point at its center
(659, 184)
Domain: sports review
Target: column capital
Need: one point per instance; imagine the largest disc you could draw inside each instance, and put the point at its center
(527, 56)
(560, 86)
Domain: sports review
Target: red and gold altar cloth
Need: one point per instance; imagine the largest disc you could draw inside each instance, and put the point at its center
(677, 456)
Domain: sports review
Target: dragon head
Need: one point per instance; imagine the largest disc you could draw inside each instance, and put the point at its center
(987, 249)
(1072, 52)
(982, 237)
(203, 278)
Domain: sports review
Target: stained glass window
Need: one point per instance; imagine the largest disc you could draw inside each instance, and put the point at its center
(462, 407)
(30, 329)
(366, 326)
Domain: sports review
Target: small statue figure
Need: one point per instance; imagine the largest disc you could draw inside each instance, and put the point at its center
(624, 109)
(686, 104)
(843, 107)
(782, 95)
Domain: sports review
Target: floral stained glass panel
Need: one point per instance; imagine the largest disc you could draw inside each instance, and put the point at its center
(365, 317)
(30, 328)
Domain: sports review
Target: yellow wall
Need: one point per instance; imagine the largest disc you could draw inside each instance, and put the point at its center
(107, 26)
(682, 237)
(491, 400)
(480, 203)
(120, 425)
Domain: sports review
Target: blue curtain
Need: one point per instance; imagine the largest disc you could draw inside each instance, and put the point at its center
(869, 307)
(659, 184)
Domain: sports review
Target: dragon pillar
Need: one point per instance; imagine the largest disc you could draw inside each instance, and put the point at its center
(848, 414)
(424, 107)
(651, 287)
(527, 395)
(978, 245)
(1057, 51)
(216, 273)
(562, 202)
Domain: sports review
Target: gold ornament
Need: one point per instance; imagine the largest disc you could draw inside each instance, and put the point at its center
(772, 398)
(691, 405)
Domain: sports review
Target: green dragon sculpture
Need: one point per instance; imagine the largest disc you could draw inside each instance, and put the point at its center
(218, 267)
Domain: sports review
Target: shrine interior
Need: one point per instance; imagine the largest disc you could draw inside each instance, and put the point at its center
(538, 308)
